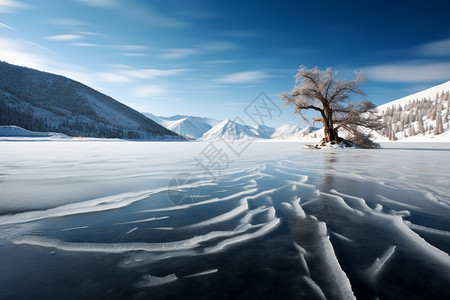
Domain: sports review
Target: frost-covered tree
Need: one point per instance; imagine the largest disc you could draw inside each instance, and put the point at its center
(420, 125)
(439, 129)
(411, 131)
(322, 92)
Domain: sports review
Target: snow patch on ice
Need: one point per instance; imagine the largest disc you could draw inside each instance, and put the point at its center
(203, 273)
(374, 270)
(150, 280)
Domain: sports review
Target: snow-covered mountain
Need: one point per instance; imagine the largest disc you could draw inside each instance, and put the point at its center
(45, 102)
(188, 126)
(285, 131)
(293, 132)
(423, 116)
(229, 130)
(264, 131)
(210, 129)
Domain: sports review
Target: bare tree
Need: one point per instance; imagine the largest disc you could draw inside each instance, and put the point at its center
(320, 91)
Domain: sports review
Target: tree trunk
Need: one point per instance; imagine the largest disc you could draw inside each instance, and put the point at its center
(328, 127)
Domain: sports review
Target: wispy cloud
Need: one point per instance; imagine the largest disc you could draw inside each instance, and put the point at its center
(127, 74)
(100, 3)
(145, 91)
(9, 6)
(113, 77)
(243, 77)
(68, 22)
(85, 44)
(437, 48)
(178, 53)
(224, 61)
(148, 14)
(242, 34)
(152, 73)
(64, 37)
(90, 33)
(218, 46)
(214, 46)
(26, 53)
(134, 54)
(18, 52)
(6, 26)
(411, 72)
(130, 47)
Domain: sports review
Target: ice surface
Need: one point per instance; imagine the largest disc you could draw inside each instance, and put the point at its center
(379, 263)
(318, 291)
(131, 230)
(243, 206)
(75, 228)
(354, 218)
(207, 272)
(340, 279)
(146, 220)
(150, 280)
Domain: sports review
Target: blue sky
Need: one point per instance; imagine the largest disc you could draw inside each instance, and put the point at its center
(212, 58)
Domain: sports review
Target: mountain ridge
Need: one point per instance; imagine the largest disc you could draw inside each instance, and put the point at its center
(45, 102)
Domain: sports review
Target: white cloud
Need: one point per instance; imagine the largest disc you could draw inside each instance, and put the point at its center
(89, 33)
(84, 44)
(178, 53)
(17, 52)
(130, 47)
(113, 77)
(243, 77)
(410, 72)
(67, 22)
(100, 3)
(224, 61)
(64, 37)
(134, 54)
(145, 91)
(6, 26)
(29, 54)
(152, 73)
(438, 48)
(8, 6)
(149, 15)
(219, 46)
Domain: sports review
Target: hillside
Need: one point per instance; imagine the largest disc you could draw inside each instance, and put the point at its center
(45, 102)
(423, 116)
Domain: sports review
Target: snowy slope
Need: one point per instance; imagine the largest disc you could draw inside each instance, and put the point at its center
(189, 127)
(46, 102)
(295, 132)
(15, 131)
(264, 131)
(420, 117)
(228, 130)
(285, 131)
(428, 93)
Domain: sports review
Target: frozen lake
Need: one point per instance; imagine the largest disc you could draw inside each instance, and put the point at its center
(192, 220)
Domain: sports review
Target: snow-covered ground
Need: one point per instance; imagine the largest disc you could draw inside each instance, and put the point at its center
(20, 133)
(198, 219)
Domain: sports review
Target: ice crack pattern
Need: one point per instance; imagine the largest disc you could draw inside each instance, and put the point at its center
(333, 236)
